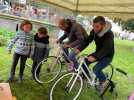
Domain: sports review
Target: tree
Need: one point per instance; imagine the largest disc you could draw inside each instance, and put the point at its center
(128, 25)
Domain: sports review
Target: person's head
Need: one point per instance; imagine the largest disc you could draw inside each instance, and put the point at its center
(42, 32)
(98, 24)
(26, 26)
(63, 24)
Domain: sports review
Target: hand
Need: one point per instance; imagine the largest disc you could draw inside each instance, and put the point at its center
(91, 59)
(77, 51)
(67, 46)
(57, 41)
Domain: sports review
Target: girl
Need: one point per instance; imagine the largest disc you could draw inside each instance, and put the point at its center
(40, 50)
(23, 40)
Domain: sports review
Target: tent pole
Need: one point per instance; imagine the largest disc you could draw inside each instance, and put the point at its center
(76, 10)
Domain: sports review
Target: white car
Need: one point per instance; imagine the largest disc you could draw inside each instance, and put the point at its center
(131, 36)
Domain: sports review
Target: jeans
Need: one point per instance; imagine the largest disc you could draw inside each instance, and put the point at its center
(72, 56)
(98, 68)
(16, 58)
(34, 66)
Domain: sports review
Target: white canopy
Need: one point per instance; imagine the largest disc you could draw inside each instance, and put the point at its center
(112, 8)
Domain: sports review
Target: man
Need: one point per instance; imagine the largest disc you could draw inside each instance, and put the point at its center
(77, 37)
(104, 40)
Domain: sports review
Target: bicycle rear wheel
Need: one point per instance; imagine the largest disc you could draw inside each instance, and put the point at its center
(49, 68)
(67, 87)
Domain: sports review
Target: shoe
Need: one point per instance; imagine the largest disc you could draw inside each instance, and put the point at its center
(48, 70)
(10, 79)
(70, 67)
(32, 77)
(20, 80)
(102, 86)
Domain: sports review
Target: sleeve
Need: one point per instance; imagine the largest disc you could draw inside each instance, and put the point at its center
(46, 51)
(12, 42)
(79, 33)
(107, 46)
(63, 37)
(33, 44)
(89, 39)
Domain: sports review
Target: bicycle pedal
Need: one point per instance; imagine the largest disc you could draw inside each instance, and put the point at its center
(48, 70)
(67, 89)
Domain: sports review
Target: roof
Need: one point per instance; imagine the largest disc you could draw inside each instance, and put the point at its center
(112, 8)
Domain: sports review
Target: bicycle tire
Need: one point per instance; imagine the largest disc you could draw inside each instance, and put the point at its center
(45, 72)
(51, 92)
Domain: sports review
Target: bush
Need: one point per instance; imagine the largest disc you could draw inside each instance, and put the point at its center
(3, 41)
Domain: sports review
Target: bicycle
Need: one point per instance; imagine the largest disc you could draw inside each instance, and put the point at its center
(51, 67)
(73, 82)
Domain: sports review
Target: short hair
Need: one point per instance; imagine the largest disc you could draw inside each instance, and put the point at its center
(64, 21)
(99, 19)
(43, 30)
(25, 22)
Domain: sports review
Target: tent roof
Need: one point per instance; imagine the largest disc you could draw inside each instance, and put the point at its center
(113, 8)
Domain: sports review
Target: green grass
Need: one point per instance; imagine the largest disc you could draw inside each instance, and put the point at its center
(30, 90)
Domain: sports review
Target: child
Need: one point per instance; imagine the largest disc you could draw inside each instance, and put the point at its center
(23, 40)
(40, 50)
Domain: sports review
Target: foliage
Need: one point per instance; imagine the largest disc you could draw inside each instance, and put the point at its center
(3, 41)
(7, 34)
(128, 25)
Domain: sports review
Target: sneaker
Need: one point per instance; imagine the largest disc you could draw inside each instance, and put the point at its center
(70, 67)
(10, 79)
(32, 77)
(48, 70)
(20, 80)
(102, 86)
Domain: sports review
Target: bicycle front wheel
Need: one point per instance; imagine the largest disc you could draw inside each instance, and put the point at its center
(48, 70)
(67, 87)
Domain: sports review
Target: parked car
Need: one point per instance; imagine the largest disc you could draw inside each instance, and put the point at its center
(131, 36)
(123, 35)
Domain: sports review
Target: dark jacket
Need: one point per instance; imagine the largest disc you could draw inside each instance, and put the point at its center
(104, 42)
(40, 49)
(76, 35)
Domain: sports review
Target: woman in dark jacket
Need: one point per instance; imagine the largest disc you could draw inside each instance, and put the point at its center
(40, 50)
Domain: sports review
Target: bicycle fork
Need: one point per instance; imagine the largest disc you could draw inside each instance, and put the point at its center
(73, 79)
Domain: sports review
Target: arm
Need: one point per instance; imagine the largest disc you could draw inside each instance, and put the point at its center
(107, 46)
(63, 37)
(13, 41)
(79, 34)
(46, 51)
(33, 45)
(80, 37)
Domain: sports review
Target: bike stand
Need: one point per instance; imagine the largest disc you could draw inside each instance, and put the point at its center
(111, 90)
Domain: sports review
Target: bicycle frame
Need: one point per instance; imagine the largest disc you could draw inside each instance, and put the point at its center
(79, 71)
(60, 54)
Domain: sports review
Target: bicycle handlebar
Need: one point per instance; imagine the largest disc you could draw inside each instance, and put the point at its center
(62, 46)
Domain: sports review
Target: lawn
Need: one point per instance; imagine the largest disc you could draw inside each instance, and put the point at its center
(30, 90)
